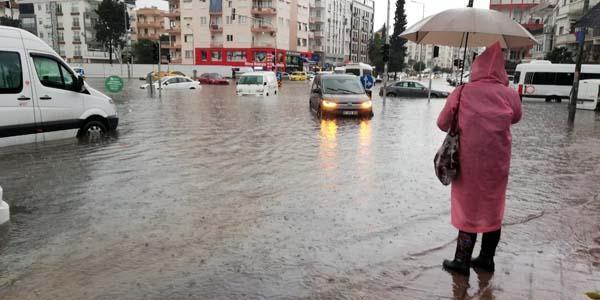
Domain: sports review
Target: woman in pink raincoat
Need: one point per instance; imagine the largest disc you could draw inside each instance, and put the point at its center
(487, 110)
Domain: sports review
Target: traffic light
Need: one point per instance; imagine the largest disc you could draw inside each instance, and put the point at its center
(385, 52)
(458, 63)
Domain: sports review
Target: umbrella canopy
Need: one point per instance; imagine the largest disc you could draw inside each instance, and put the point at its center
(484, 26)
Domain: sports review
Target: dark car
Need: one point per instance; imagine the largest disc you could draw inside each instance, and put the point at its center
(411, 89)
(340, 94)
(212, 78)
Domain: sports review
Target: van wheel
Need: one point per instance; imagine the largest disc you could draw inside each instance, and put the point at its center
(549, 99)
(390, 95)
(92, 128)
(557, 99)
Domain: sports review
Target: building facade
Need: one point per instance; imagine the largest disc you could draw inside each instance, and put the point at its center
(149, 24)
(361, 30)
(245, 33)
(67, 26)
(566, 14)
(425, 53)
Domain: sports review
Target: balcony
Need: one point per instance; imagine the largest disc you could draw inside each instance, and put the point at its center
(576, 9)
(316, 48)
(172, 14)
(563, 39)
(318, 34)
(215, 13)
(216, 28)
(262, 27)
(167, 45)
(264, 11)
(175, 30)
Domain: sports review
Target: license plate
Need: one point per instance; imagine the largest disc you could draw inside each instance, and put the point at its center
(350, 112)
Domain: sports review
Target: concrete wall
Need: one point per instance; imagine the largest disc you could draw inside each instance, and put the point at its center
(138, 70)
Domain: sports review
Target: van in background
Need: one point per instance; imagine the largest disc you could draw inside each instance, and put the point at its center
(257, 83)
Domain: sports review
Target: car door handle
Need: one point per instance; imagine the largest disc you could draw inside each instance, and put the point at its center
(45, 97)
(23, 98)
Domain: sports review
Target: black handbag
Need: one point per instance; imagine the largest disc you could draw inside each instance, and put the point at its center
(446, 162)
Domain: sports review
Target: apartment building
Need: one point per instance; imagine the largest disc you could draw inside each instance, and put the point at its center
(361, 30)
(67, 26)
(520, 11)
(245, 33)
(566, 14)
(149, 24)
(9, 9)
(424, 53)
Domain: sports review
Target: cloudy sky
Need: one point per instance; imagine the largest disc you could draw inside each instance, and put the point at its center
(414, 9)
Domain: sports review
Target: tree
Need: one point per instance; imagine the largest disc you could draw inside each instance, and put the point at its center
(6, 21)
(397, 44)
(375, 48)
(143, 52)
(111, 27)
(560, 55)
(419, 66)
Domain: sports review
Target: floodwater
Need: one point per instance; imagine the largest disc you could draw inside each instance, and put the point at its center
(205, 195)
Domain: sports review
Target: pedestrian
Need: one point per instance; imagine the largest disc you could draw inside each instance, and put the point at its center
(487, 109)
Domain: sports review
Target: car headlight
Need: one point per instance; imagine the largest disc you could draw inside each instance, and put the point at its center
(328, 104)
(366, 104)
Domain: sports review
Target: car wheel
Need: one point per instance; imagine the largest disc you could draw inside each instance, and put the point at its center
(267, 94)
(549, 99)
(192, 88)
(92, 128)
(557, 99)
(435, 96)
(391, 94)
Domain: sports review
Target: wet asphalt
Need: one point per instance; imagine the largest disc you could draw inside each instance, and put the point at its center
(206, 195)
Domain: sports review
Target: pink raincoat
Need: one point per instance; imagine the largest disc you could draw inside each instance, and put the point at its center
(487, 110)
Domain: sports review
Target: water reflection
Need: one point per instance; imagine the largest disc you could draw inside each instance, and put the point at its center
(328, 143)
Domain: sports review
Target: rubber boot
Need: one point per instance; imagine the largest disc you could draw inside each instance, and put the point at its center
(485, 260)
(462, 258)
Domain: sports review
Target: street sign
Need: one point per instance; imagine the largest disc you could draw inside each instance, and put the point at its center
(113, 84)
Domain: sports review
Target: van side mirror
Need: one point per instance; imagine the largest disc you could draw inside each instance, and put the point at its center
(78, 84)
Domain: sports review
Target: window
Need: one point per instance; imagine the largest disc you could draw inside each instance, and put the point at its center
(202, 20)
(11, 74)
(188, 38)
(203, 55)
(74, 9)
(188, 53)
(227, 20)
(76, 36)
(215, 56)
(560, 30)
(236, 56)
(589, 76)
(564, 78)
(77, 50)
(543, 78)
(76, 22)
(52, 74)
(230, 37)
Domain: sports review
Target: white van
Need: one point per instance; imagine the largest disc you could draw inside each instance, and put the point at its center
(358, 69)
(4, 210)
(257, 83)
(588, 96)
(39, 92)
(549, 82)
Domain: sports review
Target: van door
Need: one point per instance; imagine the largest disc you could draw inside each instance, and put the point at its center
(60, 106)
(17, 110)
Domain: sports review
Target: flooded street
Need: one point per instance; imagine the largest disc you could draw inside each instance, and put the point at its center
(206, 195)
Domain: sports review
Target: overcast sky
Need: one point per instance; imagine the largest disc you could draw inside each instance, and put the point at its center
(414, 9)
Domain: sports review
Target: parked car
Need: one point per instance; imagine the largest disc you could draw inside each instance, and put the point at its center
(298, 76)
(340, 94)
(285, 75)
(212, 78)
(257, 83)
(411, 89)
(174, 83)
(41, 93)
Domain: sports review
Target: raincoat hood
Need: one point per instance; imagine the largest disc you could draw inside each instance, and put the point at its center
(489, 66)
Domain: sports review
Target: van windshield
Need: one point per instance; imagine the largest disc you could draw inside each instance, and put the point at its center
(342, 86)
(252, 79)
(353, 71)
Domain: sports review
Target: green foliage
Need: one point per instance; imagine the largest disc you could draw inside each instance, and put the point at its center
(419, 66)
(560, 55)
(143, 52)
(111, 27)
(397, 44)
(375, 48)
(6, 21)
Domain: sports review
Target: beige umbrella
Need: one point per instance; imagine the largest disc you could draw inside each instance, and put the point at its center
(479, 27)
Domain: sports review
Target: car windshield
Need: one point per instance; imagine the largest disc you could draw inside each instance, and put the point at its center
(251, 79)
(353, 71)
(297, 73)
(214, 76)
(342, 85)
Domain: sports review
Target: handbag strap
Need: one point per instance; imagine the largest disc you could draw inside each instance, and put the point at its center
(454, 125)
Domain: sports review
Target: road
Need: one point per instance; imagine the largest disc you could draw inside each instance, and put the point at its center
(205, 195)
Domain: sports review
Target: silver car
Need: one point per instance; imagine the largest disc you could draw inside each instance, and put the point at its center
(340, 94)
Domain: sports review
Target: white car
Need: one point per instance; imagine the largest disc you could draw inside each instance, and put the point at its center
(4, 210)
(175, 83)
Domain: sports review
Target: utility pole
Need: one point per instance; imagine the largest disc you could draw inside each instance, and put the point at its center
(386, 46)
(580, 34)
